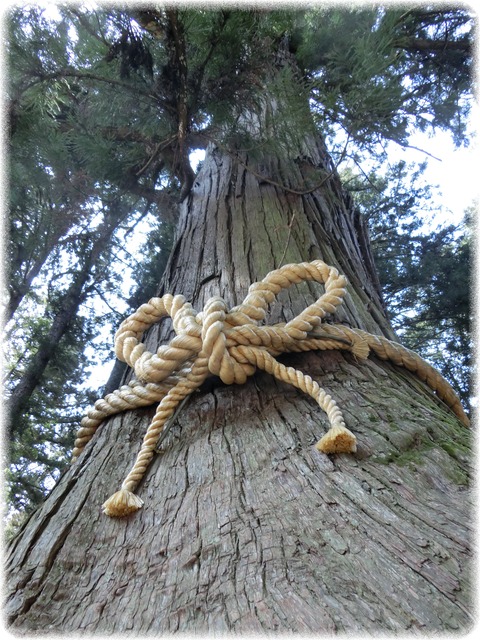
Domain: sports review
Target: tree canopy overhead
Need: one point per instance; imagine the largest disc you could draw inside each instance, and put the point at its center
(247, 524)
(105, 106)
(184, 76)
(384, 71)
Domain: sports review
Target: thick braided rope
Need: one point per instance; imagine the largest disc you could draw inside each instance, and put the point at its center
(158, 367)
(232, 345)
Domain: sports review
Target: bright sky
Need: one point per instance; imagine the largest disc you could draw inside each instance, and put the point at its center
(455, 171)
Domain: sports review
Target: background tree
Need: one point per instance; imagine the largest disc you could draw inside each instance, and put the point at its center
(246, 526)
(424, 273)
(69, 223)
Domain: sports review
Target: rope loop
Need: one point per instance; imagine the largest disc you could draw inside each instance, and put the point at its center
(232, 345)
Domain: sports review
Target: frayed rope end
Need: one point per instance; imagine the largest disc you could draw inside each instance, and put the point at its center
(337, 440)
(122, 503)
(360, 348)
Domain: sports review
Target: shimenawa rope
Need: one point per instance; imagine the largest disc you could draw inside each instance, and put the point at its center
(232, 345)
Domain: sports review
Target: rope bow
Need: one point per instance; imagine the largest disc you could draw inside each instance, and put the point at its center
(232, 345)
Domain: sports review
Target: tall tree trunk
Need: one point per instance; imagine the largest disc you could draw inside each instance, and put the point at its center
(70, 304)
(246, 526)
(28, 260)
(22, 393)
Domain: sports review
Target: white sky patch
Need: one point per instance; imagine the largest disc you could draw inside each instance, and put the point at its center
(455, 172)
(196, 157)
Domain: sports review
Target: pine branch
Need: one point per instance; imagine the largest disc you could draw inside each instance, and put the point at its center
(152, 20)
(87, 75)
(425, 44)
(86, 24)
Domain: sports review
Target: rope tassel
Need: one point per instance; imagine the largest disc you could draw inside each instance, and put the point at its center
(232, 345)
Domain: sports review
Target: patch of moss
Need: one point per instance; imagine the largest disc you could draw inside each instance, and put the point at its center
(456, 450)
(415, 456)
(459, 476)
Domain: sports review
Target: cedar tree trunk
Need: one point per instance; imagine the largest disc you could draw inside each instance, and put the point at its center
(246, 527)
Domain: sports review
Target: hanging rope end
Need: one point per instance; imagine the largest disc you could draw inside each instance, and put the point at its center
(337, 440)
(121, 504)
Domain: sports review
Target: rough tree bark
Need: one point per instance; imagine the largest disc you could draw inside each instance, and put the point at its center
(247, 527)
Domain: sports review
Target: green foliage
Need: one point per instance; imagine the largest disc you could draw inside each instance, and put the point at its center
(439, 293)
(69, 214)
(379, 72)
(103, 116)
(45, 431)
(425, 273)
(155, 251)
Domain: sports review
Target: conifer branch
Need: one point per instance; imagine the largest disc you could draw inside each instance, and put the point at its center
(87, 75)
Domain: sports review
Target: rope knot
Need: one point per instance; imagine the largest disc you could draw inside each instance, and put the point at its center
(232, 345)
(212, 320)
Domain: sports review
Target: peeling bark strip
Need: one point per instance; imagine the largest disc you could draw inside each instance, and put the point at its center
(249, 527)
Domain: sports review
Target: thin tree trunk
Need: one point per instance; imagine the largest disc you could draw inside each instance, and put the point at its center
(20, 290)
(73, 298)
(32, 376)
(246, 526)
(31, 266)
(51, 226)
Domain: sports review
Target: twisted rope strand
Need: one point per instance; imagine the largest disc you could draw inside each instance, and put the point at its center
(338, 438)
(403, 357)
(125, 501)
(131, 396)
(232, 345)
